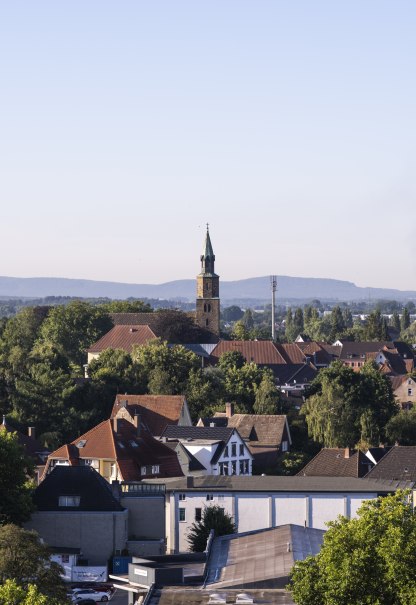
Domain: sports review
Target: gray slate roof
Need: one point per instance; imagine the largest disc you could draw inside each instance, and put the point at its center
(94, 491)
(398, 464)
(198, 432)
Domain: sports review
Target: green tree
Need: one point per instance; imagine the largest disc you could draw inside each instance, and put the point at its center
(127, 306)
(165, 364)
(395, 321)
(71, 329)
(15, 485)
(115, 367)
(405, 319)
(267, 396)
(402, 428)
(375, 328)
(289, 324)
(178, 327)
(297, 324)
(232, 313)
(41, 395)
(247, 319)
(347, 318)
(26, 560)
(231, 360)
(337, 323)
(240, 332)
(204, 391)
(213, 518)
(369, 560)
(13, 594)
(344, 407)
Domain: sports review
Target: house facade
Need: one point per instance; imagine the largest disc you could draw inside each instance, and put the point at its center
(75, 509)
(261, 502)
(219, 450)
(267, 436)
(119, 450)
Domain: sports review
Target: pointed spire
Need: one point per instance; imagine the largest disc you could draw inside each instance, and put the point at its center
(208, 256)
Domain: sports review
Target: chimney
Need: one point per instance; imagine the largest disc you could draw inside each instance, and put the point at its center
(189, 481)
(115, 489)
(31, 432)
(137, 423)
(229, 409)
(347, 452)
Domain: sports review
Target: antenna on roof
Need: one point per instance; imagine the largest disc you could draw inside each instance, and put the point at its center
(273, 285)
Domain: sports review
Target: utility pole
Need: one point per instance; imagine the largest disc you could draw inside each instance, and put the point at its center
(273, 285)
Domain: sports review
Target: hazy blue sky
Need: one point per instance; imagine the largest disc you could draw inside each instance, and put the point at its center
(288, 125)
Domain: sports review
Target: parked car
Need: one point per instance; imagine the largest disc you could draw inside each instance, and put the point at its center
(90, 593)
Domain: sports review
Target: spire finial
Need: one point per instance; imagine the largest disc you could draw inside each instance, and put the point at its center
(207, 227)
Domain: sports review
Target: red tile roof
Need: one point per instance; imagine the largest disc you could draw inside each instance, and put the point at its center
(130, 450)
(156, 411)
(123, 337)
(292, 353)
(261, 352)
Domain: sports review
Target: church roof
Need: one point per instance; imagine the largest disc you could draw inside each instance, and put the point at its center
(208, 251)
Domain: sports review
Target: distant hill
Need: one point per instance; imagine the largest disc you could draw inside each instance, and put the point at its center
(255, 288)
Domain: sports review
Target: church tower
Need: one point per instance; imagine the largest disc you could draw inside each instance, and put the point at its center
(208, 291)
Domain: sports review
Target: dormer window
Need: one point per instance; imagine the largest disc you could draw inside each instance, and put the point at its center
(69, 501)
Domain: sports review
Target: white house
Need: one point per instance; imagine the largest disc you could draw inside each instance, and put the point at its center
(220, 450)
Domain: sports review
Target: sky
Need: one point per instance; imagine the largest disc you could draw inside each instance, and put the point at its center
(289, 126)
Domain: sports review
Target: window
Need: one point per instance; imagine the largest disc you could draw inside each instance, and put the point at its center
(182, 514)
(225, 454)
(143, 470)
(198, 514)
(233, 449)
(284, 446)
(155, 469)
(409, 392)
(233, 467)
(210, 497)
(69, 500)
(223, 468)
(241, 449)
(182, 497)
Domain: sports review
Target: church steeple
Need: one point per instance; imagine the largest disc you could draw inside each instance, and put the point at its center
(208, 291)
(208, 256)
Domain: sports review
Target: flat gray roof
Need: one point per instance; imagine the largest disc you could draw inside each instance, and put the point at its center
(283, 484)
